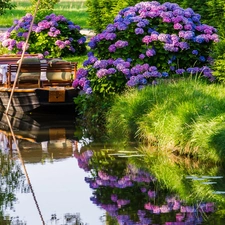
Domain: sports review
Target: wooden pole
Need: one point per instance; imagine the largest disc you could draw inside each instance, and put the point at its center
(21, 59)
(25, 170)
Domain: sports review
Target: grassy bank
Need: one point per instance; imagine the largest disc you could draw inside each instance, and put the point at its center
(73, 10)
(185, 118)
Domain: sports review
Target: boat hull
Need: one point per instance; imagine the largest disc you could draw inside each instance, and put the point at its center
(25, 100)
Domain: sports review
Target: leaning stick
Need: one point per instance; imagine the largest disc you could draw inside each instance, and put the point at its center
(21, 59)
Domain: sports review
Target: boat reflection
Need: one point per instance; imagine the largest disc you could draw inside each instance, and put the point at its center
(43, 146)
(43, 135)
(123, 186)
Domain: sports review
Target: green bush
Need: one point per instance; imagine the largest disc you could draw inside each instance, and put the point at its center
(45, 8)
(5, 5)
(102, 12)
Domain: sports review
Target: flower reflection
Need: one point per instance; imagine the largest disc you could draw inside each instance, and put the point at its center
(133, 196)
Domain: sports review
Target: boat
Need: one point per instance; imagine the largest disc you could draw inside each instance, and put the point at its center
(28, 82)
(27, 100)
(42, 83)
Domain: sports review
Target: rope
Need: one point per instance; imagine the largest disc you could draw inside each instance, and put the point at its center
(25, 170)
(22, 56)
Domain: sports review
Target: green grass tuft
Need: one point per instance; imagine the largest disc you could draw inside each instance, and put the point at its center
(187, 117)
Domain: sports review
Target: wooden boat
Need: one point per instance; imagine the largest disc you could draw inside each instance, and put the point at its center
(25, 100)
(28, 91)
(42, 83)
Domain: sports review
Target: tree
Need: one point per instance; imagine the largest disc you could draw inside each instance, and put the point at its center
(45, 8)
(4, 5)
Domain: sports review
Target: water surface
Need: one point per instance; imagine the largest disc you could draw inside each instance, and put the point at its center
(58, 184)
(55, 175)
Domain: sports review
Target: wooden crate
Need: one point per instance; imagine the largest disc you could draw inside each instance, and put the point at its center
(56, 94)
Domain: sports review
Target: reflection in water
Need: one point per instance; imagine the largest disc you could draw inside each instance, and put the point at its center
(131, 195)
(11, 179)
(105, 186)
(46, 145)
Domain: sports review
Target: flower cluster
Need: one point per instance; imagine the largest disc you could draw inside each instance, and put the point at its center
(54, 36)
(146, 42)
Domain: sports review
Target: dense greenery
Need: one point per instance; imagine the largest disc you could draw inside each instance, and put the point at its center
(44, 8)
(102, 12)
(5, 5)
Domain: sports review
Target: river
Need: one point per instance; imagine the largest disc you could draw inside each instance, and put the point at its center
(52, 174)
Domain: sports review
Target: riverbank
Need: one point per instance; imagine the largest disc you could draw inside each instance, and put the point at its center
(191, 124)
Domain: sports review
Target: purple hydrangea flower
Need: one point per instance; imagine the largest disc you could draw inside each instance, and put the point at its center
(154, 51)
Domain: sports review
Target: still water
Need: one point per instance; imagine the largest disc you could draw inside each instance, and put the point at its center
(51, 174)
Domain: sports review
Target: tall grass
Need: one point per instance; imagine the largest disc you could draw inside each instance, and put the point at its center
(75, 11)
(186, 117)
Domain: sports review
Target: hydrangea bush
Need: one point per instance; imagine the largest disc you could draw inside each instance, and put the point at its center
(54, 36)
(146, 42)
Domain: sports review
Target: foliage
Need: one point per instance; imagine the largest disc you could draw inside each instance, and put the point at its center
(102, 12)
(218, 67)
(11, 180)
(91, 114)
(54, 36)
(219, 59)
(45, 8)
(215, 14)
(98, 10)
(147, 42)
(191, 123)
(4, 5)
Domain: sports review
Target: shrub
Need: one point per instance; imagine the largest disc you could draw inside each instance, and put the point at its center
(45, 8)
(54, 36)
(102, 12)
(146, 42)
(219, 60)
(4, 5)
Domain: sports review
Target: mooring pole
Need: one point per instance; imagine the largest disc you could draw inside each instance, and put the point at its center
(25, 170)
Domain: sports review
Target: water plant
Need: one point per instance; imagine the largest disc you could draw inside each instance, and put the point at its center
(54, 36)
(146, 42)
